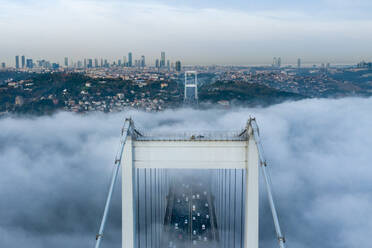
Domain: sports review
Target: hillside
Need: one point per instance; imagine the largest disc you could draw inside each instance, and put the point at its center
(244, 93)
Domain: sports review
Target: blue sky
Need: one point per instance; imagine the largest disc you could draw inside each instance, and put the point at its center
(197, 32)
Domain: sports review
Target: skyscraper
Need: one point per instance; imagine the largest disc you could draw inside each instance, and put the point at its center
(157, 63)
(322, 67)
(29, 63)
(66, 62)
(162, 61)
(95, 62)
(85, 63)
(23, 60)
(17, 62)
(168, 64)
(124, 61)
(55, 66)
(130, 61)
(298, 63)
(279, 62)
(3, 65)
(143, 62)
(90, 63)
(178, 65)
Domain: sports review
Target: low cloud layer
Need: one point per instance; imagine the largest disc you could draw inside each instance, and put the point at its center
(56, 170)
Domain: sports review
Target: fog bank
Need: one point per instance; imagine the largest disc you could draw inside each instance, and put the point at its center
(56, 170)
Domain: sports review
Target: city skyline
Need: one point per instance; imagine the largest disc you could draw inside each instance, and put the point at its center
(29, 63)
(161, 61)
(238, 33)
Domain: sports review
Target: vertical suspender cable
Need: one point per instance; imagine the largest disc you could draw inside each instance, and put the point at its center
(225, 210)
(241, 211)
(156, 209)
(138, 209)
(229, 216)
(145, 202)
(257, 139)
(151, 208)
(119, 155)
(234, 233)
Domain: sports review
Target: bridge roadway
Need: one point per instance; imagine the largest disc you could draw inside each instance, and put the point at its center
(190, 219)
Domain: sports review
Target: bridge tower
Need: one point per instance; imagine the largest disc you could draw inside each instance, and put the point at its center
(141, 153)
(191, 87)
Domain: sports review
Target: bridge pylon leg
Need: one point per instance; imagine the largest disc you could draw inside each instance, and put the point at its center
(128, 203)
(251, 195)
(254, 130)
(115, 172)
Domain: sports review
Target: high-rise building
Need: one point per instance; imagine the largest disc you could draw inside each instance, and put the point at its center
(85, 63)
(29, 63)
(279, 62)
(44, 64)
(95, 62)
(101, 62)
(23, 61)
(119, 62)
(17, 62)
(66, 62)
(274, 62)
(178, 65)
(124, 61)
(323, 67)
(143, 62)
(130, 61)
(157, 63)
(168, 64)
(162, 61)
(3, 65)
(299, 63)
(90, 63)
(55, 66)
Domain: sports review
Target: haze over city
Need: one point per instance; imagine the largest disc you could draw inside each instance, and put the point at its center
(197, 32)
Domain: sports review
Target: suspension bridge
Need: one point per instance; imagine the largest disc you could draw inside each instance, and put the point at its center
(190, 190)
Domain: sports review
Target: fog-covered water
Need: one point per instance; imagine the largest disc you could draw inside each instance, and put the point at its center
(56, 171)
